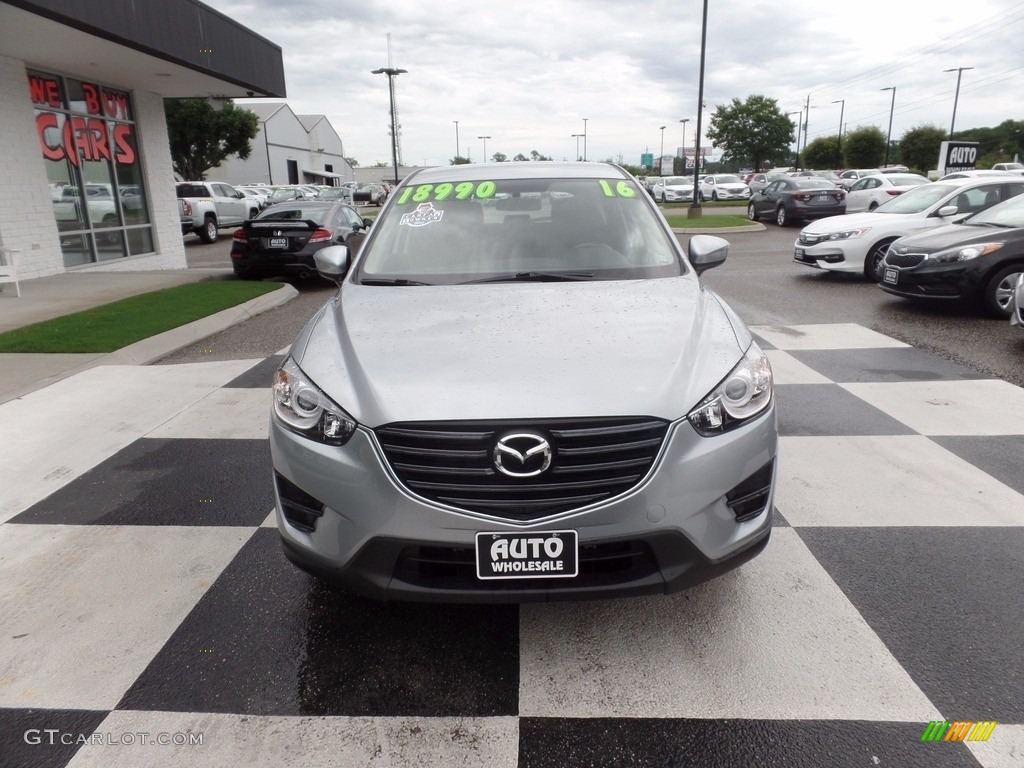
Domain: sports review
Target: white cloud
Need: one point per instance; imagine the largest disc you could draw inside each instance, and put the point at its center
(526, 73)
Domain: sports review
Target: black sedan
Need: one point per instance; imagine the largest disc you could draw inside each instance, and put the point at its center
(282, 239)
(793, 199)
(976, 261)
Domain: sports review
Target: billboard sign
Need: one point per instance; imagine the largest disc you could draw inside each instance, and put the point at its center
(957, 156)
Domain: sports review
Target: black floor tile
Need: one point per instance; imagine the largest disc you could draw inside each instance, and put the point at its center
(259, 376)
(1001, 456)
(947, 603)
(44, 738)
(268, 639)
(884, 365)
(828, 410)
(167, 482)
(656, 743)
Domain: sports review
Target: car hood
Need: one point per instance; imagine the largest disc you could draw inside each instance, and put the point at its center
(858, 220)
(732, 186)
(953, 234)
(521, 350)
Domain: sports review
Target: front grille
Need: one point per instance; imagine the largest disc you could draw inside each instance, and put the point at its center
(903, 260)
(452, 463)
(808, 239)
(455, 567)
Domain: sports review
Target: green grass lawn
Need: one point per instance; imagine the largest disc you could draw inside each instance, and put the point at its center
(681, 221)
(116, 325)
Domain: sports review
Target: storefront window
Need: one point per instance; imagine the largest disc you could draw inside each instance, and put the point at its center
(87, 135)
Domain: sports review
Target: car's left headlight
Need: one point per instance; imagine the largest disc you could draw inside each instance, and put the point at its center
(966, 253)
(849, 234)
(744, 394)
(301, 407)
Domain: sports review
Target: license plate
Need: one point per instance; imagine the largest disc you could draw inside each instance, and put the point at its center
(799, 253)
(279, 242)
(823, 198)
(527, 555)
(890, 276)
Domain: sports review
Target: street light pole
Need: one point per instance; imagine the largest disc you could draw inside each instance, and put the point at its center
(584, 140)
(577, 137)
(485, 138)
(799, 125)
(684, 121)
(392, 73)
(956, 98)
(696, 211)
(661, 157)
(456, 138)
(888, 137)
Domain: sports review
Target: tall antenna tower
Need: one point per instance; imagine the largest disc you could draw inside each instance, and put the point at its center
(394, 110)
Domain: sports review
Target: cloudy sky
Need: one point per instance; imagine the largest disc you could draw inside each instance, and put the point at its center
(526, 73)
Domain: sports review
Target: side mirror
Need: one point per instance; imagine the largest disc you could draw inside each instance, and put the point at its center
(947, 210)
(706, 251)
(332, 262)
(367, 222)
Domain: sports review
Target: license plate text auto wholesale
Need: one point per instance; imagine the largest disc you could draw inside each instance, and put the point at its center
(279, 242)
(527, 555)
(891, 276)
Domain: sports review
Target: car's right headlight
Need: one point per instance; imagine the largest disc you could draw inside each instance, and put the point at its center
(744, 394)
(301, 407)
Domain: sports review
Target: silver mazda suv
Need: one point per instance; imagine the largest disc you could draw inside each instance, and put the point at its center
(521, 391)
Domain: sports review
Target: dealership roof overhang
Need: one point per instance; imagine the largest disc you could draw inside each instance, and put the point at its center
(175, 48)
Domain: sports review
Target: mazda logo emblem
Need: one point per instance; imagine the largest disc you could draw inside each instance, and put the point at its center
(524, 454)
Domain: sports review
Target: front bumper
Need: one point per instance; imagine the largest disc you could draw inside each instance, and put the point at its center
(949, 282)
(674, 530)
(828, 256)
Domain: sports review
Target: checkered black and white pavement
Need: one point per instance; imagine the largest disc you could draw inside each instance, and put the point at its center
(144, 595)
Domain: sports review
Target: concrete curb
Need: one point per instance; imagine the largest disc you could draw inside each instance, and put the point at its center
(148, 350)
(751, 227)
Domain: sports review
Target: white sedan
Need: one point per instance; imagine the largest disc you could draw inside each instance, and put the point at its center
(868, 193)
(723, 186)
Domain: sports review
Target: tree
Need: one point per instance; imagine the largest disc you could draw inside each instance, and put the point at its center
(459, 160)
(754, 129)
(520, 158)
(822, 152)
(535, 155)
(352, 161)
(864, 147)
(202, 137)
(499, 157)
(381, 164)
(919, 147)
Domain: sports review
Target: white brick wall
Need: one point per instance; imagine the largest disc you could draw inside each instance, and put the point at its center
(26, 211)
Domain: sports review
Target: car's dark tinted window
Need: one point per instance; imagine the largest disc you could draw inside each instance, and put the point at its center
(192, 190)
(315, 213)
(450, 233)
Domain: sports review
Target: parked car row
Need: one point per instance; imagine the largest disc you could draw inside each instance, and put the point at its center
(956, 240)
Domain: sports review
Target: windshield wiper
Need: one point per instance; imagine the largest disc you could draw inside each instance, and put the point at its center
(390, 281)
(534, 277)
(989, 224)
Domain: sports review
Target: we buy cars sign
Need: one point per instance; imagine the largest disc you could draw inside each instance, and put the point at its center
(957, 156)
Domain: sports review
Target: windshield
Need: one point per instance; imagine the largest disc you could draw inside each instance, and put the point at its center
(315, 213)
(678, 181)
(446, 233)
(918, 199)
(728, 179)
(1006, 214)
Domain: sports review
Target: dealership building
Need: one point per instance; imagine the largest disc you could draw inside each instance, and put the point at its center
(87, 182)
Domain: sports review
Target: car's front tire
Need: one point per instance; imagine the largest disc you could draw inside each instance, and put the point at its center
(873, 261)
(997, 296)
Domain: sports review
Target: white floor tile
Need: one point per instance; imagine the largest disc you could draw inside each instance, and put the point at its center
(825, 336)
(894, 480)
(87, 607)
(775, 639)
(977, 407)
(786, 369)
(1004, 748)
(309, 742)
(229, 414)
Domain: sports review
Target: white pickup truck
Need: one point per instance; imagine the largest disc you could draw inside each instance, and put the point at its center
(215, 205)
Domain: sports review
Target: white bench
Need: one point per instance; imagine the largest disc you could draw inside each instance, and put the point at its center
(9, 268)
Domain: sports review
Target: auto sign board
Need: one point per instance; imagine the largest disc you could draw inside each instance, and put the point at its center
(957, 156)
